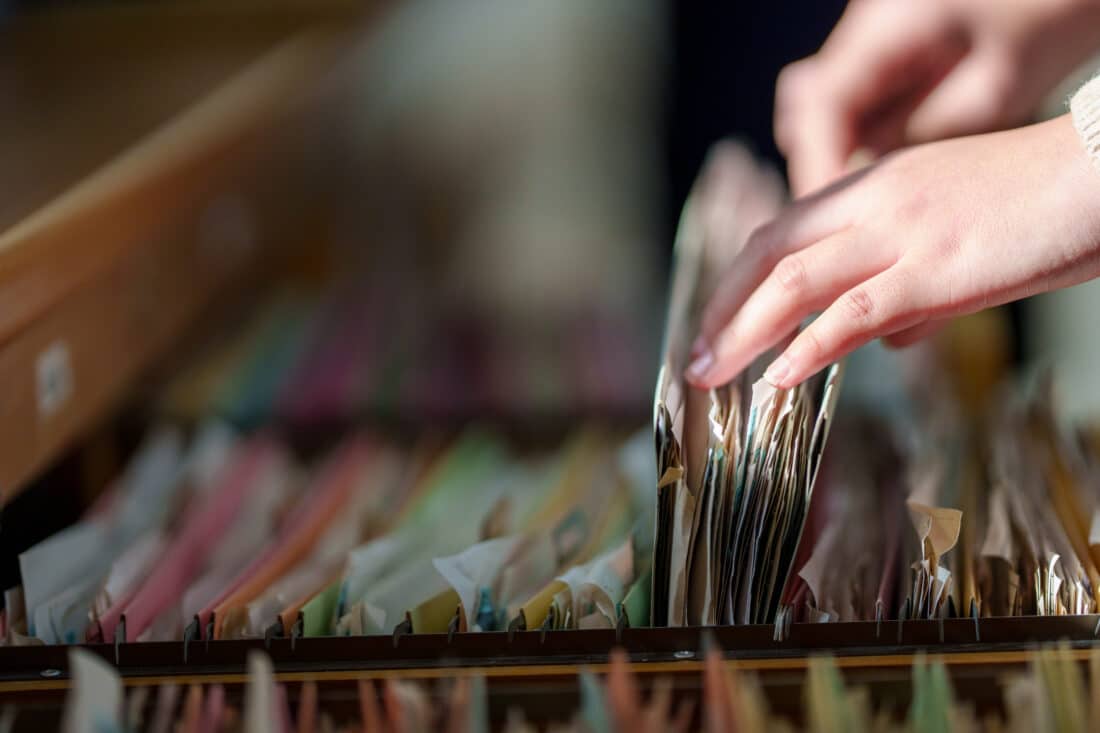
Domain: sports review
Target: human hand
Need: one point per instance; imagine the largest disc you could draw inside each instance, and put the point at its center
(898, 72)
(924, 234)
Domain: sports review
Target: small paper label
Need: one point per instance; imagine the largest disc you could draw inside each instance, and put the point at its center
(54, 378)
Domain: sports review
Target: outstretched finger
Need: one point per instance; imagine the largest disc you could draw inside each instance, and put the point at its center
(800, 225)
(887, 303)
(800, 284)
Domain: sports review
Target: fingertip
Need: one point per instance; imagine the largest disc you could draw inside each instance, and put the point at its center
(790, 380)
(710, 370)
(797, 363)
(699, 381)
(700, 372)
(778, 372)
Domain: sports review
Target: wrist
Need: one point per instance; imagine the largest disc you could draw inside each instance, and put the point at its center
(1069, 202)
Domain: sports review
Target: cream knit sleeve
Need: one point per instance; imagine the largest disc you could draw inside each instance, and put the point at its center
(1084, 105)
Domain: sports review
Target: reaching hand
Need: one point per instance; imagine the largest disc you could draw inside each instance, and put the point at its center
(897, 72)
(924, 234)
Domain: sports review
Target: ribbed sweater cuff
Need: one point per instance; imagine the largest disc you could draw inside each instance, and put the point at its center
(1084, 106)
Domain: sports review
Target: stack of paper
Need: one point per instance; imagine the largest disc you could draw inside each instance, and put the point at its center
(856, 548)
(991, 515)
(736, 466)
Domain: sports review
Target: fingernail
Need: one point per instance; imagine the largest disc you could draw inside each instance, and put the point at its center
(697, 370)
(778, 370)
(699, 347)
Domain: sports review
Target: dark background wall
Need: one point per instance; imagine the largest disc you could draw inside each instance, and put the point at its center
(724, 60)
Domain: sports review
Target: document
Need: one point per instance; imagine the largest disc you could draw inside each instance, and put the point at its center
(736, 466)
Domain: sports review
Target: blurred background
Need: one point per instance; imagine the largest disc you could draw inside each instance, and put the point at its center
(504, 178)
(494, 184)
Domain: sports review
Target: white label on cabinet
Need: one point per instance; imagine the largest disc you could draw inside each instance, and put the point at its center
(54, 378)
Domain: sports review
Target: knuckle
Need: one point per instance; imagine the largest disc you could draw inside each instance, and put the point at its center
(790, 273)
(858, 304)
(949, 247)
